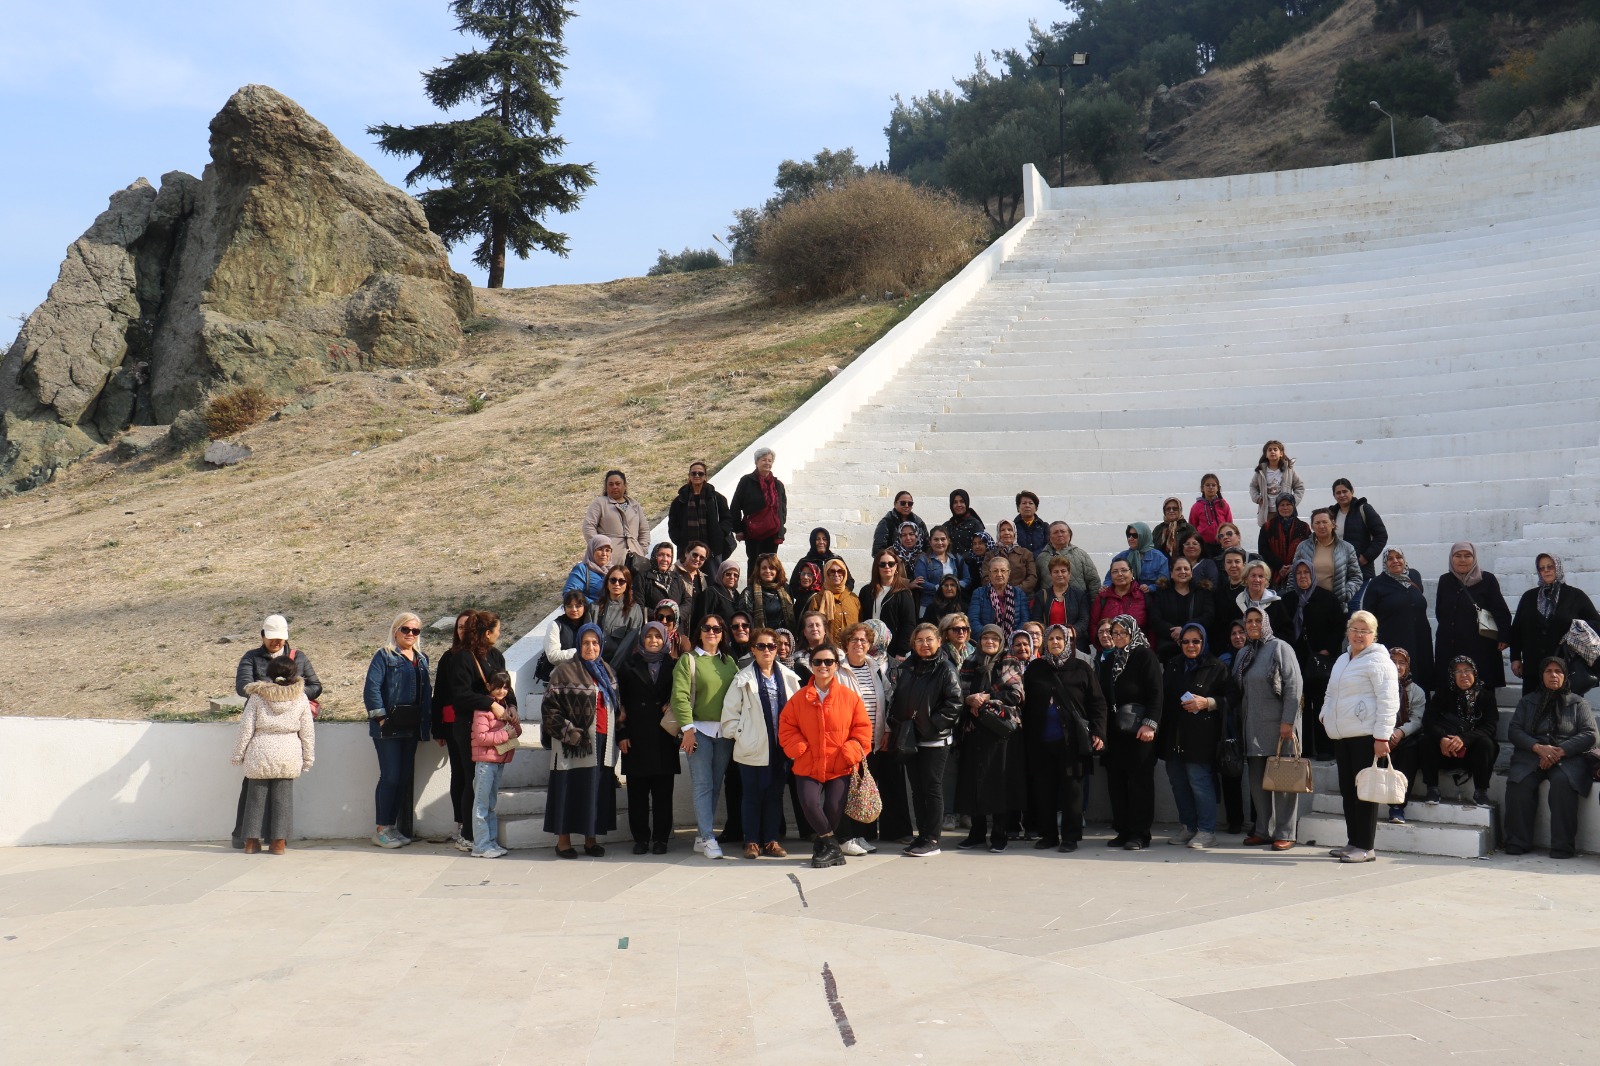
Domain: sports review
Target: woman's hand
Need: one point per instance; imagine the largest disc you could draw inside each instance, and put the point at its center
(1380, 748)
(1145, 734)
(439, 741)
(687, 744)
(624, 745)
(1549, 755)
(1174, 631)
(1502, 645)
(1516, 667)
(1285, 731)
(1096, 743)
(1196, 704)
(1396, 737)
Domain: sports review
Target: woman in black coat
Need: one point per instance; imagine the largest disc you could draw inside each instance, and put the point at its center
(1544, 614)
(1396, 600)
(927, 695)
(456, 735)
(649, 753)
(1358, 525)
(759, 509)
(1313, 625)
(1462, 591)
(1461, 731)
(1194, 694)
(889, 599)
(964, 524)
(1063, 725)
(987, 787)
(1176, 602)
(1130, 678)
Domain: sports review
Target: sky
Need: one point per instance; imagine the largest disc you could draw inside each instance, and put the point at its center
(685, 108)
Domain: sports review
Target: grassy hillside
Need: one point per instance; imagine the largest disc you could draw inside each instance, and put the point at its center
(426, 490)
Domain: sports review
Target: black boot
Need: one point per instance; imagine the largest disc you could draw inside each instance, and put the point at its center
(826, 853)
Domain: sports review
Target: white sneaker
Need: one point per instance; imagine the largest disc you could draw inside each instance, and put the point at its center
(949, 821)
(1181, 837)
(460, 843)
(495, 851)
(712, 849)
(853, 847)
(1202, 841)
(387, 837)
(865, 843)
(700, 845)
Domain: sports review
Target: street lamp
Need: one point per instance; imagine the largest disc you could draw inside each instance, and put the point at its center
(1393, 152)
(1077, 59)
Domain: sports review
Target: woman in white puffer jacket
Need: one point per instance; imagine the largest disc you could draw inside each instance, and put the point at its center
(1362, 704)
(276, 744)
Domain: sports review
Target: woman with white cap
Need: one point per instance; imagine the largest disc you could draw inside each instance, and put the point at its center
(252, 668)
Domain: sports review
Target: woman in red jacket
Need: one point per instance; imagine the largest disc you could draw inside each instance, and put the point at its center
(824, 728)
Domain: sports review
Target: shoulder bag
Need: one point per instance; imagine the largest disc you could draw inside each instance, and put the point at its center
(1287, 775)
(863, 803)
(1382, 784)
(1127, 716)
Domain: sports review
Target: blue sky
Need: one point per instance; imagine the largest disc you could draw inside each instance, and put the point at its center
(685, 108)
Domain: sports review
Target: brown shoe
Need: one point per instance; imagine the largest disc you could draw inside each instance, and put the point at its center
(251, 846)
(1282, 845)
(774, 850)
(279, 847)
(752, 851)
(1255, 840)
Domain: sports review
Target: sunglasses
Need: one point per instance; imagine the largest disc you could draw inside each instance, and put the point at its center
(616, 581)
(903, 503)
(1191, 643)
(960, 629)
(887, 564)
(765, 646)
(410, 632)
(824, 662)
(711, 629)
(697, 473)
(741, 625)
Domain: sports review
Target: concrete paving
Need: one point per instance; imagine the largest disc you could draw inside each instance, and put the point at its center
(340, 953)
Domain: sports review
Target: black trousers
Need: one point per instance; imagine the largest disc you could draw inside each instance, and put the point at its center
(1057, 795)
(1130, 767)
(650, 807)
(733, 796)
(1478, 760)
(926, 769)
(1318, 745)
(1354, 754)
(458, 745)
(1407, 757)
(1522, 804)
(895, 821)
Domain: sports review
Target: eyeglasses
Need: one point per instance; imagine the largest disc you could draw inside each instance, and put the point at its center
(408, 631)
(697, 473)
(824, 662)
(696, 557)
(616, 581)
(765, 646)
(1191, 643)
(741, 625)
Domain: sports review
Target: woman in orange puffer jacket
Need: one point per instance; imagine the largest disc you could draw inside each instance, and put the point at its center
(824, 728)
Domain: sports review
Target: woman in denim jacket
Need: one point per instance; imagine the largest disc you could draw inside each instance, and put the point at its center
(397, 695)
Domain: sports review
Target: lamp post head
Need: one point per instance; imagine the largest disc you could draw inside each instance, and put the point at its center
(1080, 59)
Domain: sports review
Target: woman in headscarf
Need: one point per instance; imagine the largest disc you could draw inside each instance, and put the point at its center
(888, 600)
(759, 508)
(581, 709)
(1266, 682)
(1395, 598)
(771, 606)
(946, 602)
(1194, 691)
(723, 597)
(899, 516)
(1024, 571)
(839, 607)
(964, 523)
(1063, 725)
(1544, 614)
(1313, 624)
(786, 644)
(649, 752)
(656, 581)
(807, 578)
(1464, 593)
(1147, 562)
(589, 576)
(1461, 731)
(1359, 713)
(819, 555)
(1405, 742)
(991, 685)
(1281, 537)
(998, 602)
(1549, 732)
(1130, 678)
(936, 564)
(908, 545)
(1176, 602)
(979, 552)
(1168, 535)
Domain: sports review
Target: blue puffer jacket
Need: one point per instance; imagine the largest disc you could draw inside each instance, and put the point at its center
(1151, 569)
(587, 580)
(980, 611)
(393, 680)
(932, 572)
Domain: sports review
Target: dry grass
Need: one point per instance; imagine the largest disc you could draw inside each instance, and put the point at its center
(389, 493)
(236, 410)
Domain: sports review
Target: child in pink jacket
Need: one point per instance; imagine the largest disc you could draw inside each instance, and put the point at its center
(490, 728)
(1210, 513)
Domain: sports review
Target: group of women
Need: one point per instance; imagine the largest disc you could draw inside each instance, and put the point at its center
(989, 676)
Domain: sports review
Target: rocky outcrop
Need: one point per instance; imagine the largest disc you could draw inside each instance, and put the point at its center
(289, 247)
(1168, 107)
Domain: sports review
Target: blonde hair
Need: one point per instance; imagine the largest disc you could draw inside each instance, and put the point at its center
(394, 629)
(955, 618)
(1364, 616)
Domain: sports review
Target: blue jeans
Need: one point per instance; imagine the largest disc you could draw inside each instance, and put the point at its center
(1194, 789)
(706, 767)
(485, 790)
(397, 760)
(762, 801)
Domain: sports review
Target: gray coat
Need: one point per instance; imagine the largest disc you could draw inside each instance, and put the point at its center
(1347, 576)
(1574, 733)
(1261, 711)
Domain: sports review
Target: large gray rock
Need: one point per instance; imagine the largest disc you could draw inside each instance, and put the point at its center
(1168, 107)
(289, 247)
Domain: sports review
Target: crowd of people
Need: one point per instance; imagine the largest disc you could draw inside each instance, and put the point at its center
(979, 680)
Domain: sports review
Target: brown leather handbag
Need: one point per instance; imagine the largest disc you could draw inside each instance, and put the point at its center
(1288, 775)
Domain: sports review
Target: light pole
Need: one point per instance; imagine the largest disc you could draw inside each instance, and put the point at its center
(1393, 152)
(1077, 59)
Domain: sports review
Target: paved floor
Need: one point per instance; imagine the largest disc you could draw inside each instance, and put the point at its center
(340, 953)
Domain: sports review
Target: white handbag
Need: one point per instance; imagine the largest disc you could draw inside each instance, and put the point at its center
(1381, 784)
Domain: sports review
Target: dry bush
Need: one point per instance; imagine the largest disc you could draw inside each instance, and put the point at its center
(872, 235)
(236, 410)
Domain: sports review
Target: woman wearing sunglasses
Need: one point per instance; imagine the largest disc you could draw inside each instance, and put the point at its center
(396, 690)
(825, 730)
(700, 682)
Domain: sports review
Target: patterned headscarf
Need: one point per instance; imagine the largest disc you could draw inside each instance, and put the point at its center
(1549, 594)
(907, 555)
(1065, 656)
(1136, 639)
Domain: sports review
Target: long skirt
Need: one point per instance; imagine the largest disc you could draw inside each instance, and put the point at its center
(582, 802)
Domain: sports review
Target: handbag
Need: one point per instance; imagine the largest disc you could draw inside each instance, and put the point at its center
(1127, 716)
(401, 721)
(669, 717)
(1487, 626)
(1288, 775)
(863, 803)
(1000, 724)
(1230, 758)
(1583, 640)
(905, 738)
(1382, 784)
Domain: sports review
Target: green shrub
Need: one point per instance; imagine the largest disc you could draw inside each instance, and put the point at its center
(875, 234)
(1101, 133)
(685, 261)
(1474, 46)
(1411, 137)
(236, 410)
(1567, 65)
(1404, 85)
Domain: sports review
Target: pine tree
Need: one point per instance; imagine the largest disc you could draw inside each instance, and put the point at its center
(499, 170)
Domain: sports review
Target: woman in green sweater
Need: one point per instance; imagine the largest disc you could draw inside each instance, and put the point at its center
(699, 683)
